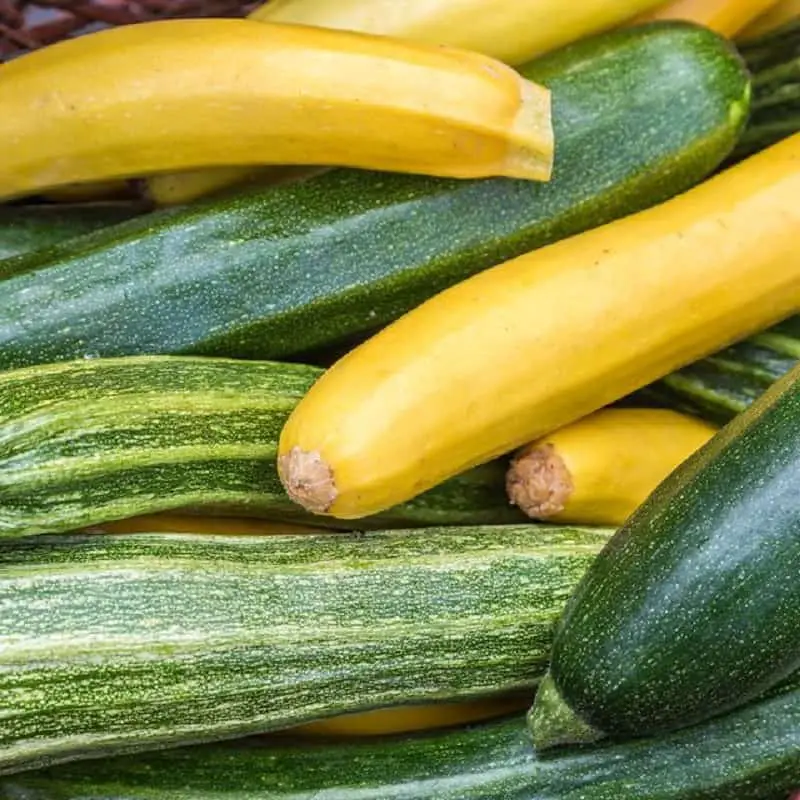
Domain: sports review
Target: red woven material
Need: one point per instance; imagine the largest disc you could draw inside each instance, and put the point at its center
(25, 26)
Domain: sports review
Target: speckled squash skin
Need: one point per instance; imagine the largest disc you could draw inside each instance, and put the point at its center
(120, 643)
(639, 116)
(723, 385)
(31, 227)
(750, 754)
(693, 608)
(86, 442)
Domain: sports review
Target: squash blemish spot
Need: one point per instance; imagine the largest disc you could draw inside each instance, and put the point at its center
(308, 479)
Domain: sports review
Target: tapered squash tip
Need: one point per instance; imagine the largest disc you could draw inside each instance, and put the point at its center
(308, 479)
(539, 482)
(553, 723)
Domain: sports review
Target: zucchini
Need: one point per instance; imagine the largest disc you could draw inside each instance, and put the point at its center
(280, 271)
(723, 385)
(750, 754)
(728, 17)
(384, 424)
(692, 609)
(32, 227)
(83, 443)
(774, 61)
(600, 469)
(781, 13)
(122, 643)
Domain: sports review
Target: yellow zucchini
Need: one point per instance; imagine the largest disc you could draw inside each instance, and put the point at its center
(189, 93)
(190, 523)
(601, 468)
(727, 17)
(777, 16)
(409, 719)
(529, 346)
(513, 31)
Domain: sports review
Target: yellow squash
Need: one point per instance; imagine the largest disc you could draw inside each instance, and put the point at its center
(777, 16)
(600, 469)
(191, 523)
(727, 17)
(182, 94)
(408, 719)
(513, 31)
(541, 341)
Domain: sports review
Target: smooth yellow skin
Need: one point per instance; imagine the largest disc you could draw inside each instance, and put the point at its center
(727, 17)
(190, 523)
(541, 341)
(408, 719)
(777, 16)
(183, 94)
(617, 456)
(513, 31)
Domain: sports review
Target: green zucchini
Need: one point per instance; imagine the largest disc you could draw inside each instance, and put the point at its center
(86, 442)
(723, 385)
(750, 754)
(122, 643)
(693, 608)
(640, 115)
(774, 61)
(33, 227)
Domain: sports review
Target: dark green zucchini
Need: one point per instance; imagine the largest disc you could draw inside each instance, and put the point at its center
(693, 609)
(123, 643)
(750, 754)
(86, 442)
(640, 115)
(32, 227)
(721, 386)
(774, 61)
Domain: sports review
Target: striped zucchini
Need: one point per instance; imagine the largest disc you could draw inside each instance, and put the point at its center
(122, 643)
(639, 115)
(32, 227)
(751, 754)
(86, 442)
(723, 385)
(774, 61)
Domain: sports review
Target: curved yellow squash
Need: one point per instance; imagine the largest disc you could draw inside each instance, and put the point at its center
(538, 342)
(513, 31)
(727, 17)
(600, 469)
(182, 94)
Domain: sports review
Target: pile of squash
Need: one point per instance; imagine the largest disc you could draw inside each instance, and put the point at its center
(401, 400)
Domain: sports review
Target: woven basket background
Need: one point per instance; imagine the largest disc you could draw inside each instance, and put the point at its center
(26, 26)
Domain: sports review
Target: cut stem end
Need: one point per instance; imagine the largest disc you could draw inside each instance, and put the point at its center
(539, 482)
(308, 480)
